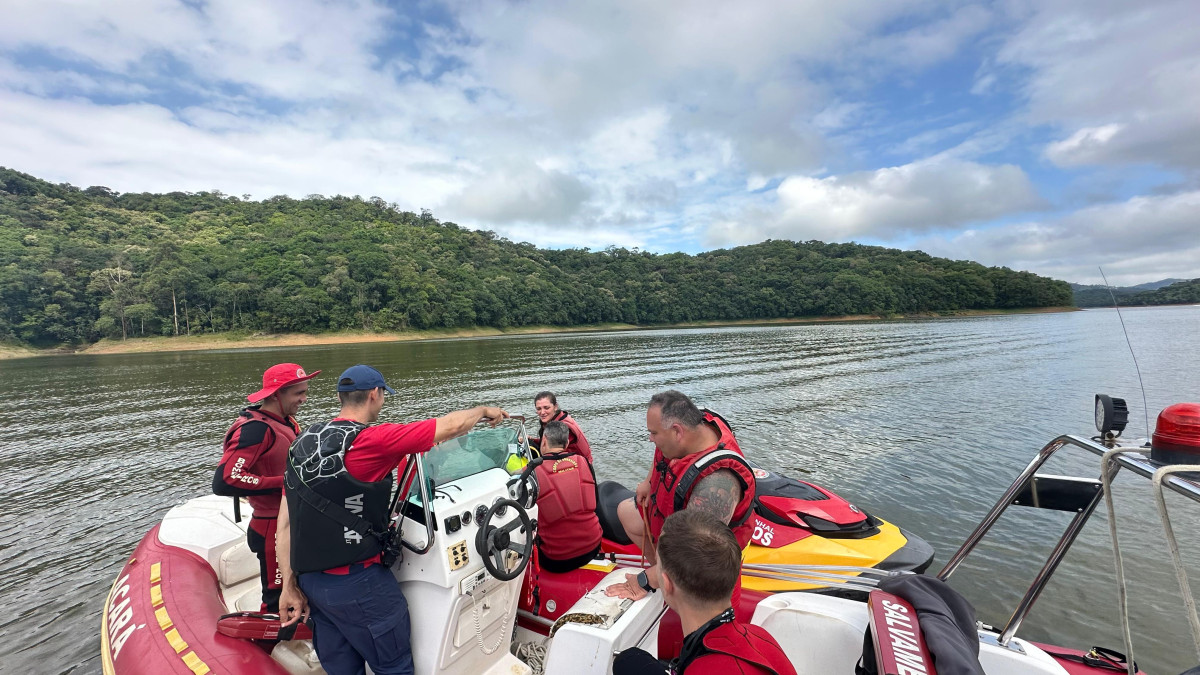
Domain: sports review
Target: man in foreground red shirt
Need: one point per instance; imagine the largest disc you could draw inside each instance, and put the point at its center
(251, 466)
(333, 525)
(700, 561)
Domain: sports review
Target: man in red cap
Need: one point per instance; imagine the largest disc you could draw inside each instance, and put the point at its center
(254, 458)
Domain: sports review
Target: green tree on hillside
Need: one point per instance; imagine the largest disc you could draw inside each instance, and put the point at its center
(80, 264)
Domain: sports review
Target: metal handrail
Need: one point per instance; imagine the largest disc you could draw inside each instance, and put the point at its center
(1134, 462)
(522, 433)
(1001, 505)
(417, 462)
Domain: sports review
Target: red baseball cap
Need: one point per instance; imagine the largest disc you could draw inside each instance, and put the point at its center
(279, 376)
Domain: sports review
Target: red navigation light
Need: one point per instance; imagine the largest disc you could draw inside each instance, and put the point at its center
(1176, 438)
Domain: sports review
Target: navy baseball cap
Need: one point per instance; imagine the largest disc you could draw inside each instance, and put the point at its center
(357, 378)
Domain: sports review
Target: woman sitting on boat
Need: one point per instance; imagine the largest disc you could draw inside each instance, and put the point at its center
(546, 405)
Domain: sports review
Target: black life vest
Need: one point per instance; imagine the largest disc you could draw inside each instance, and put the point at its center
(317, 484)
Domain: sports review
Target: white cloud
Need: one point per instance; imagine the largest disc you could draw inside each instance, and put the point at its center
(838, 115)
(1086, 146)
(292, 49)
(629, 141)
(556, 237)
(737, 71)
(527, 194)
(1138, 240)
(48, 82)
(932, 194)
(141, 147)
(923, 142)
(1121, 79)
(930, 42)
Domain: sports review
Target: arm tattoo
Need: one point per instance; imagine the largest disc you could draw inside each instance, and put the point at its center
(718, 494)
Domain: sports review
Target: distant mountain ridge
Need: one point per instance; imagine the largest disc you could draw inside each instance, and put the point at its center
(1165, 292)
(1155, 285)
(1148, 286)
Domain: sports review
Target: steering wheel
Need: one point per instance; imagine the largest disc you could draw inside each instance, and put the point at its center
(494, 542)
(524, 488)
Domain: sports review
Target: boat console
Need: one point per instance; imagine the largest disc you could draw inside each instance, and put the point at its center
(468, 528)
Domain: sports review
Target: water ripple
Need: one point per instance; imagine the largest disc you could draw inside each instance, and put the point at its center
(921, 422)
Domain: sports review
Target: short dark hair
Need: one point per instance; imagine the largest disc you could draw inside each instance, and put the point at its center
(356, 397)
(546, 394)
(675, 406)
(555, 435)
(700, 555)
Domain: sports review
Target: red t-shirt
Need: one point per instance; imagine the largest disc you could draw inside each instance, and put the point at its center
(379, 449)
(382, 448)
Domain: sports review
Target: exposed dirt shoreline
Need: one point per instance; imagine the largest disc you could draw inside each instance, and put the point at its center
(260, 340)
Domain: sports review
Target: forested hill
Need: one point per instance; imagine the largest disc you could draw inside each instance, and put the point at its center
(1177, 293)
(80, 264)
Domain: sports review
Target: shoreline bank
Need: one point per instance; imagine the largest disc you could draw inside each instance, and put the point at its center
(211, 341)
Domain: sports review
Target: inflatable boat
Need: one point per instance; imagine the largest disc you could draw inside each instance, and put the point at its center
(467, 530)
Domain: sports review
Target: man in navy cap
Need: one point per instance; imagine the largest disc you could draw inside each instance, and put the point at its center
(334, 530)
(251, 466)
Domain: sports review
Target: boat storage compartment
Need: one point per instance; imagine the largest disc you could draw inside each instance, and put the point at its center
(588, 649)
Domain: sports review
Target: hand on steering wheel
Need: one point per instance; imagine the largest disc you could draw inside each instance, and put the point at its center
(493, 543)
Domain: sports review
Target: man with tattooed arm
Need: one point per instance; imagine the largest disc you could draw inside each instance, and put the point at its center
(697, 465)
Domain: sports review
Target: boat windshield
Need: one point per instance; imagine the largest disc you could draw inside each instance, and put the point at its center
(467, 455)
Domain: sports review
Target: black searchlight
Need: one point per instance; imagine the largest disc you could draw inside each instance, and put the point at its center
(1111, 415)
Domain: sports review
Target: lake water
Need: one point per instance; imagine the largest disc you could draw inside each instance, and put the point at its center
(921, 422)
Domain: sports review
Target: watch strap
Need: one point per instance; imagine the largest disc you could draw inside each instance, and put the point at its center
(643, 580)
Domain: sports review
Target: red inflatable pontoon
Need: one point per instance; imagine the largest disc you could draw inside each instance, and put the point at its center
(161, 617)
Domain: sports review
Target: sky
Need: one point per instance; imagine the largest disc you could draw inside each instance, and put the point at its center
(1055, 136)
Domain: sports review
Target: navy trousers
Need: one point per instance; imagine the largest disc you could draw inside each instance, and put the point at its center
(360, 617)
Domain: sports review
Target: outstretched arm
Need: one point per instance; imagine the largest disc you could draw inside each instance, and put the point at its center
(718, 494)
(460, 422)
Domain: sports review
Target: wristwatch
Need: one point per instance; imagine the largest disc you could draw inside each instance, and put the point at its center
(644, 581)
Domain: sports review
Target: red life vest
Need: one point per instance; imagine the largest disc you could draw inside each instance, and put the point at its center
(567, 522)
(270, 462)
(672, 481)
(577, 442)
(748, 644)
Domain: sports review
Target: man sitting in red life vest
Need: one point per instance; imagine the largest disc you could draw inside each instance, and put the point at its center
(697, 465)
(546, 405)
(568, 535)
(700, 561)
(255, 455)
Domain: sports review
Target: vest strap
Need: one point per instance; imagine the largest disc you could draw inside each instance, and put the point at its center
(339, 514)
(689, 477)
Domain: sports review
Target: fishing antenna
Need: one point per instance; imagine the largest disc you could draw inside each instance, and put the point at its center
(1129, 343)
